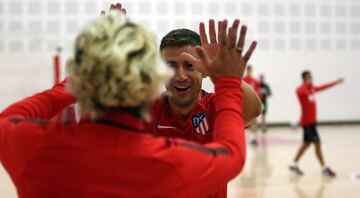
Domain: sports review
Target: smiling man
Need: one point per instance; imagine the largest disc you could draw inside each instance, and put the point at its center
(187, 111)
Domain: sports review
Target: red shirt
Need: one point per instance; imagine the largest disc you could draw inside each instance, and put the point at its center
(306, 95)
(114, 157)
(254, 84)
(198, 126)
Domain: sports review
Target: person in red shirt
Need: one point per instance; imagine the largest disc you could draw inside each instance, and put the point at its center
(115, 74)
(306, 95)
(248, 78)
(186, 111)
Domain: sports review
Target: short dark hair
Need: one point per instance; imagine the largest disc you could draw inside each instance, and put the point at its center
(305, 73)
(179, 38)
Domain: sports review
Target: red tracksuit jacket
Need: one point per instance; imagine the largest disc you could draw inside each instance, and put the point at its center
(115, 157)
(306, 95)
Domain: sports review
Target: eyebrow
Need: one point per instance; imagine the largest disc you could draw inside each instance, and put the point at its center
(171, 62)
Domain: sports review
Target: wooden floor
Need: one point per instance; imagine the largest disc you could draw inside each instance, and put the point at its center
(266, 171)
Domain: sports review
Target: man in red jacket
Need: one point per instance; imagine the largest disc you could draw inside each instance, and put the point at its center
(306, 94)
(115, 74)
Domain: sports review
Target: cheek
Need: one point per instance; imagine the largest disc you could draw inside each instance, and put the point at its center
(196, 78)
(170, 83)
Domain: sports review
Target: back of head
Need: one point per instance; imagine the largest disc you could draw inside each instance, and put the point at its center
(179, 38)
(116, 64)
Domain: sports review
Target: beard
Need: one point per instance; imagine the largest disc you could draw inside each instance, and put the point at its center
(184, 100)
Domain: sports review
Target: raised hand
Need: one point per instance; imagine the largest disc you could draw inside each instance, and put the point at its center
(116, 6)
(340, 80)
(212, 47)
(227, 59)
(221, 47)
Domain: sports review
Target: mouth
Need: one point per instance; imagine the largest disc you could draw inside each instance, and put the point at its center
(181, 89)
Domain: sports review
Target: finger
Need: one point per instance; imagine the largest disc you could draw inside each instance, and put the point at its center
(222, 33)
(242, 37)
(203, 36)
(203, 56)
(198, 65)
(219, 25)
(250, 51)
(225, 23)
(102, 12)
(118, 6)
(232, 34)
(212, 31)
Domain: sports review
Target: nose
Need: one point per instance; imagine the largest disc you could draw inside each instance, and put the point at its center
(180, 74)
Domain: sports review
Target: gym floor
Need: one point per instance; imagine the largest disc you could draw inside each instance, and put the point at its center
(266, 171)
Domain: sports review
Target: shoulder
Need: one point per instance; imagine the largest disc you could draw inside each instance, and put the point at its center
(158, 104)
(206, 98)
(301, 90)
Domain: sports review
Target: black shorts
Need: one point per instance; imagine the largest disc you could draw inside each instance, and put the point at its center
(310, 133)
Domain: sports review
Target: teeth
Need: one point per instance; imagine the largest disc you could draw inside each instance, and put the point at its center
(181, 87)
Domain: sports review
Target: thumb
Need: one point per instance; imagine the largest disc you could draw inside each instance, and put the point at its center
(195, 62)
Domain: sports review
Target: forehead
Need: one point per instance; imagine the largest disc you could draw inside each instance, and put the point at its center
(173, 53)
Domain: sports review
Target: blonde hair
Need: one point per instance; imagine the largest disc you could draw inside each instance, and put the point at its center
(116, 65)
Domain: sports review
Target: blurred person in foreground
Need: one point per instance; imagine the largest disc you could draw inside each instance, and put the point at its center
(185, 110)
(116, 74)
(306, 95)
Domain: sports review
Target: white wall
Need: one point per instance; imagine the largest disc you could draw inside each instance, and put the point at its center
(322, 35)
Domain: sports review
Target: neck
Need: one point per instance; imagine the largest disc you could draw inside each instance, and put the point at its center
(185, 110)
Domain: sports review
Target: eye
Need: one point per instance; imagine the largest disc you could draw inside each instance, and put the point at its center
(189, 66)
(171, 64)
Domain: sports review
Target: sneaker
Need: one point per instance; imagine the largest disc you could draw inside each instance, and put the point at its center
(295, 169)
(328, 172)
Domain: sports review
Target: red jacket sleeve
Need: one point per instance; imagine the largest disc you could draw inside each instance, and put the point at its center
(325, 86)
(206, 168)
(44, 105)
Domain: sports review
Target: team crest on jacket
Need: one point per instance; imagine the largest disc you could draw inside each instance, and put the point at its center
(200, 123)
